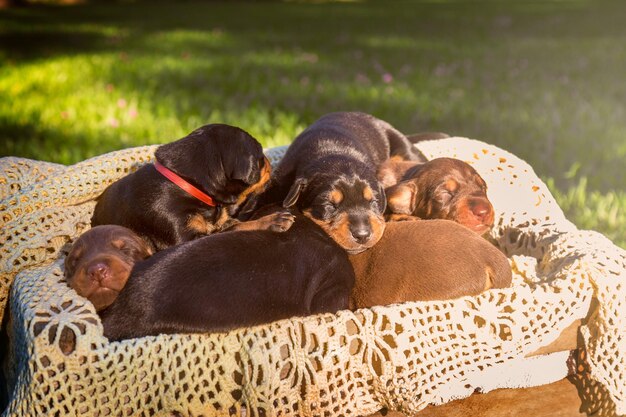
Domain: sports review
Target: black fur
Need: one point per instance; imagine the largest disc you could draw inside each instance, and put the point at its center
(340, 151)
(220, 160)
(231, 280)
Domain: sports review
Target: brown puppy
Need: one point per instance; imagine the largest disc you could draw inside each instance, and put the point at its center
(426, 260)
(100, 262)
(443, 188)
(195, 187)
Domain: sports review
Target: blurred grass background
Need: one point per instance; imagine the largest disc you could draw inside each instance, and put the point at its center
(545, 80)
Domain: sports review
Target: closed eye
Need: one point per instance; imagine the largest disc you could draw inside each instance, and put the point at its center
(445, 195)
(123, 246)
(330, 207)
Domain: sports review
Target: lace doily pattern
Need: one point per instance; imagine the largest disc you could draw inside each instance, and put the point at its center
(402, 357)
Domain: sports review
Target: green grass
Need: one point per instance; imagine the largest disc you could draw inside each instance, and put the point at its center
(544, 80)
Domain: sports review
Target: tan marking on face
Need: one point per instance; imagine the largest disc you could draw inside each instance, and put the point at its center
(338, 229)
(118, 243)
(451, 185)
(336, 196)
(378, 227)
(259, 186)
(368, 194)
(134, 243)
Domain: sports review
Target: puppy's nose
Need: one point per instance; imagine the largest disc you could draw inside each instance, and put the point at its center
(480, 210)
(98, 271)
(361, 233)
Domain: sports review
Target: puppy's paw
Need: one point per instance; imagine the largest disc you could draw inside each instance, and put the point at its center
(276, 222)
(281, 221)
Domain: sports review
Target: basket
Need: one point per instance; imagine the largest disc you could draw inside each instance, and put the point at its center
(403, 357)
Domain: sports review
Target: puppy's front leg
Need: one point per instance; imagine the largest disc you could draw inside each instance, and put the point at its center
(280, 221)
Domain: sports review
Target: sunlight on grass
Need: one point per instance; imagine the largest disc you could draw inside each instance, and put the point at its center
(543, 80)
(594, 210)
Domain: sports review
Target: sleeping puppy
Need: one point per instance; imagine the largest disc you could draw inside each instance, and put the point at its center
(100, 262)
(194, 188)
(224, 281)
(427, 260)
(329, 173)
(443, 188)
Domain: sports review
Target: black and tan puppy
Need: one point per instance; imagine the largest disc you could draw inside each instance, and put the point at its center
(443, 188)
(224, 281)
(223, 165)
(100, 262)
(427, 260)
(329, 173)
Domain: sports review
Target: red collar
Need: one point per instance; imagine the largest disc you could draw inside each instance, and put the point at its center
(190, 189)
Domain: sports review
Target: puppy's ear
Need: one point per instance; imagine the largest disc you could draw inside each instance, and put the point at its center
(402, 197)
(134, 246)
(142, 249)
(294, 193)
(383, 198)
(71, 259)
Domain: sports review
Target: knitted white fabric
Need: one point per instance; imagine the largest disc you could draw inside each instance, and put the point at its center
(402, 356)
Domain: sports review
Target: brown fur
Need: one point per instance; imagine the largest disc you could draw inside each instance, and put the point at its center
(228, 280)
(199, 224)
(100, 262)
(443, 188)
(426, 260)
(393, 170)
(279, 221)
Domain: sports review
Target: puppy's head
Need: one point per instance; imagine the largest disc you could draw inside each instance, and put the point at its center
(100, 262)
(349, 209)
(444, 188)
(223, 161)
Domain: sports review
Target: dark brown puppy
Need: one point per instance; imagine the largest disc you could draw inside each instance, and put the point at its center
(232, 279)
(100, 262)
(443, 188)
(329, 173)
(426, 260)
(222, 161)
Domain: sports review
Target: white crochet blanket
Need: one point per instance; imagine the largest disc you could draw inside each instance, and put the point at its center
(403, 356)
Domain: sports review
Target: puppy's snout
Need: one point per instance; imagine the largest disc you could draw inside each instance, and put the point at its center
(98, 271)
(481, 209)
(361, 232)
